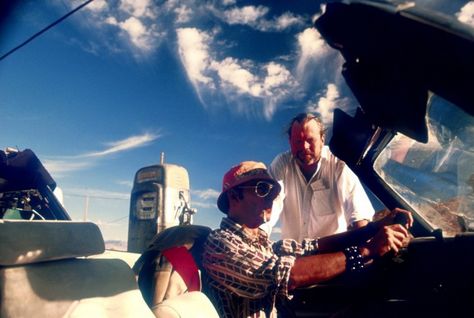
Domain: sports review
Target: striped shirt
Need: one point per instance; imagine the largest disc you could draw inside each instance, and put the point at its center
(247, 274)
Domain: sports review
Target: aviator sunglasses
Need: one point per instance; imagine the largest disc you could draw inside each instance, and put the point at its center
(262, 188)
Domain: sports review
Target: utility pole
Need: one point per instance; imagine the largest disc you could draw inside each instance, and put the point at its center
(86, 208)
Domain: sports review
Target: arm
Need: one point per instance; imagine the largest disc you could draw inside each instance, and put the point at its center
(361, 235)
(313, 269)
(358, 224)
(309, 270)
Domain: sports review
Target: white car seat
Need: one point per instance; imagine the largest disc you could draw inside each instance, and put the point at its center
(45, 272)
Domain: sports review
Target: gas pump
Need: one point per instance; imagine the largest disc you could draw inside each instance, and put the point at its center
(160, 199)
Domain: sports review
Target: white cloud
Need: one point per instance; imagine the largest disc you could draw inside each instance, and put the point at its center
(206, 199)
(59, 168)
(287, 20)
(248, 15)
(278, 84)
(234, 78)
(206, 194)
(97, 6)
(141, 36)
(326, 104)
(183, 13)
(277, 76)
(232, 73)
(228, 2)
(125, 144)
(254, 17)
(193, 50)
(218, 77)
(466, 15)
(312, 47)
(203, 205)
(138, 8)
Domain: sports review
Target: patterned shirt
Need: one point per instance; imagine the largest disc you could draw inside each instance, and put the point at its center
(247, 274)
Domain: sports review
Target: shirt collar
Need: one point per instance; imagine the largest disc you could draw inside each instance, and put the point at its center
(234, 227)
(318, 167)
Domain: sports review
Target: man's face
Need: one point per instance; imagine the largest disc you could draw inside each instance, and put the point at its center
(306, 143)
(252, 209)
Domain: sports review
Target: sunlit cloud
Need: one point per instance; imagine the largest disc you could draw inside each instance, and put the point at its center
(218, 76)
(204, 199)
(124, 145)
(193, 50)
(138, 8)
(254, 17)
(203, 205)
(139, 34)
(228, 2)
(208, 194)
(326, 104)
(248, 15)
(95, 6)
(288, 20)
(60, 166)
(232, 73)
(466, 14)
(183, 13)
(312, 48)
(267, 83)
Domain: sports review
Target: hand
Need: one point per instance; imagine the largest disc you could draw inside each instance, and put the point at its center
(396, 216)
(389, 238)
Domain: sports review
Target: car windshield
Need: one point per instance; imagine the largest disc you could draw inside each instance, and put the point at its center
(437, 178)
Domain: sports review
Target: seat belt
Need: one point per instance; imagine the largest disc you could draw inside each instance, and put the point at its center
(183, 262)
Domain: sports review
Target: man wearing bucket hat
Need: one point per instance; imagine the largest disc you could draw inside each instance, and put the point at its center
(247, 272)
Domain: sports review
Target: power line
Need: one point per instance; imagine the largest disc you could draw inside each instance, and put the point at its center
(31, 38)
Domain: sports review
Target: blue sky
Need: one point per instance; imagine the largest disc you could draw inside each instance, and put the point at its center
(209, 83)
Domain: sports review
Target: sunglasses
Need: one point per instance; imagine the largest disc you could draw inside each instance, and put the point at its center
(262, 188)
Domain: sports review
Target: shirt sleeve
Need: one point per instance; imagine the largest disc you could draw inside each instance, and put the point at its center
(279, 165)
(245, 270)
(356, 203)
(293, 248)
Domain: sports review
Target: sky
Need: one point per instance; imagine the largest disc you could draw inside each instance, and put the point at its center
(209, 83)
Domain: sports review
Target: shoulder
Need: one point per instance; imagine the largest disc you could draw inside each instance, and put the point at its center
(282, 158)
(336, 165)
(280, 164)
(222, 240)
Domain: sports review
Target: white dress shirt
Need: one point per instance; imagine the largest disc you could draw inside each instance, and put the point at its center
(332, 199)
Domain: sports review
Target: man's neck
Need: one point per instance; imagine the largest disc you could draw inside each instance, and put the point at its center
(252, 231)
(308, 171)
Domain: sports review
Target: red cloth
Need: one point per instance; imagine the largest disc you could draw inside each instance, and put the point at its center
(183, 262)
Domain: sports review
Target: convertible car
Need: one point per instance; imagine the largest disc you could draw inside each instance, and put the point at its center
(410, 142)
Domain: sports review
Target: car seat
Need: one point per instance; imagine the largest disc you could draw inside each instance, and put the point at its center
(46, 271)
(170, 272)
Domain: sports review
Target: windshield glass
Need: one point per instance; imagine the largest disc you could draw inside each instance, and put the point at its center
(437, 178)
